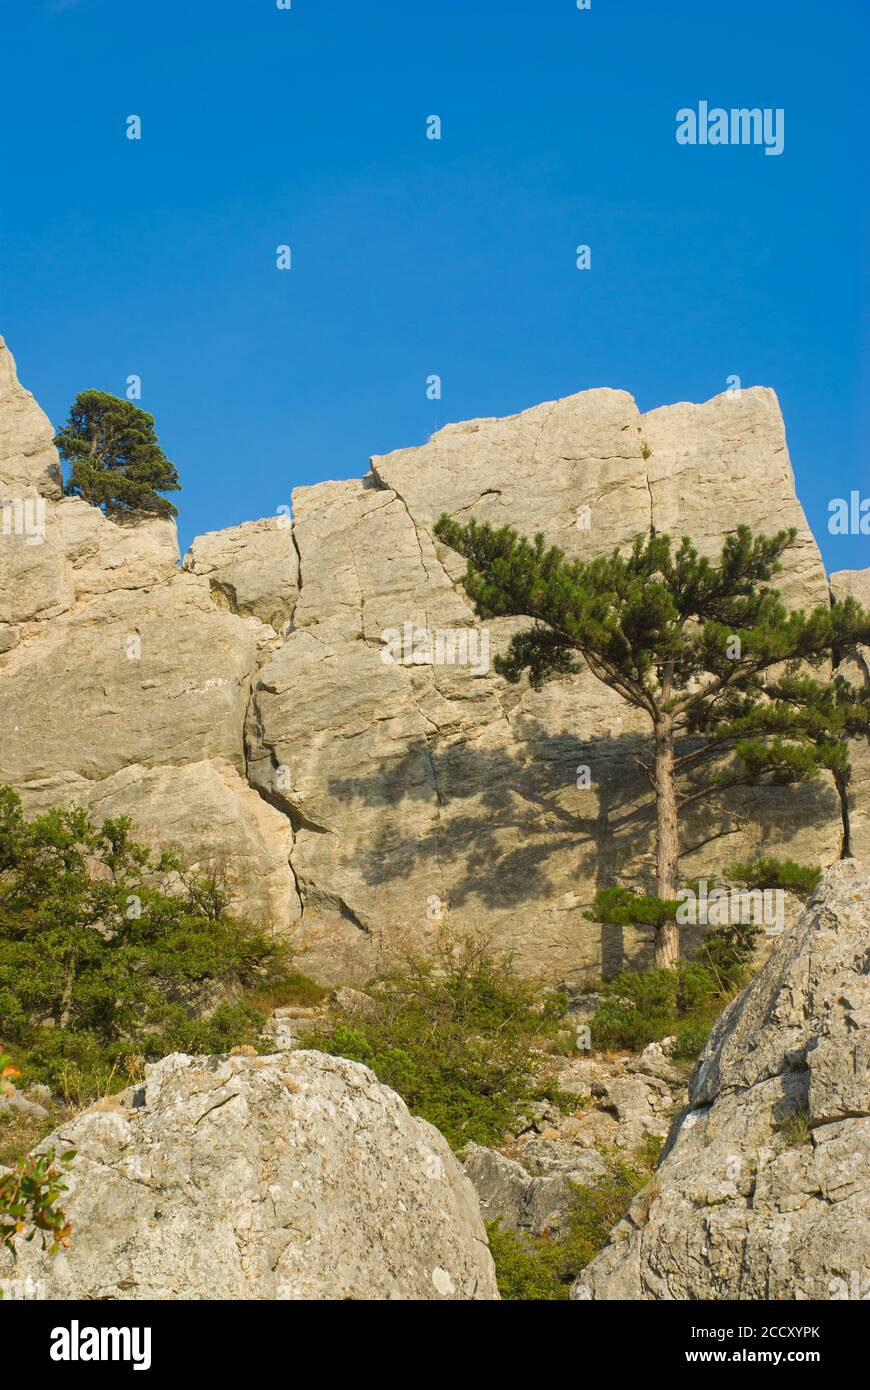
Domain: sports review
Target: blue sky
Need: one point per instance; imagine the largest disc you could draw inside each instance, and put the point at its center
(413, 257)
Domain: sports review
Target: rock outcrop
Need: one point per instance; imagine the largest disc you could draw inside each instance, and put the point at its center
(521, 1201)
(261, 706)
(530, 1184)
(763, 1192)
(296, 1176)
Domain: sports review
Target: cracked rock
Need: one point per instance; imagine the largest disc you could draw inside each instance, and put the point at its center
(763, 1192)
(296, 1176)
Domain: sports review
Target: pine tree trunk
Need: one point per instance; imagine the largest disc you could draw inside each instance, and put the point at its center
(666, 952)
(841, 780)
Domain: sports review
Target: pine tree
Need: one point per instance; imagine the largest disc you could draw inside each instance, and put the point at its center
(116, 460)
(809, 722)
(688, 641)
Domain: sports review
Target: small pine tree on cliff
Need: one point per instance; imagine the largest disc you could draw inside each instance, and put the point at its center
(116, 461)
(684, 639)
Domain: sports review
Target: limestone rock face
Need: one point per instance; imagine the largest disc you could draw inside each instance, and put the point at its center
(155, 675)
(123, 683)
(588, 453)
(763, 1192)
(423, 790)
(725, 462)
(28, 461)
(253, 567)
(206, 807)
(332, 675)
(297, 1176)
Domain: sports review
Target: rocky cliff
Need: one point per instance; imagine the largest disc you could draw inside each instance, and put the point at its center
(260, 706)
(762, 1192)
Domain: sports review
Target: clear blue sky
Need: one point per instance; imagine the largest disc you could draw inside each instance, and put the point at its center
(412, 256)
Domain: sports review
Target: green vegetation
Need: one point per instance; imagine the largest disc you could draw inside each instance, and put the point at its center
(817, 717)
(291, 988)
(536, 1268)
(30, 1189)
(619, 907)
(697, 646)
(646, 1006)
(101, 969)
(797, 1129)
(115, 458)
(455, 1037)
(799, 879)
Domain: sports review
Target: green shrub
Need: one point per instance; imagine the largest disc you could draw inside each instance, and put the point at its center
(291, 988)
(692, 1037)
(100, 965)
(29, 1194)
(645, 1006)
(526, 1270)
(455, 1038)
(544, 1267)
(619, 907)
(30, 1189)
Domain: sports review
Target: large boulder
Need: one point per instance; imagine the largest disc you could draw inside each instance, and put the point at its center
(297, 1176)
(764, 1192)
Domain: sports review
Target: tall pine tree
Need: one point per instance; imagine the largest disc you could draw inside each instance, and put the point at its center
(688, 641)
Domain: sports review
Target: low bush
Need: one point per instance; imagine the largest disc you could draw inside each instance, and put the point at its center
(30, 1190)
(455, 1037)
(645, 1006)
(544, 1268)
(101, 969)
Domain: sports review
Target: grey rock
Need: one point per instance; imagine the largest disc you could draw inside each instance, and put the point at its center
(296, 1176)
(13, 1100)
(763, 1192)
(543, 1156)
(520, 1201)
(28, 461)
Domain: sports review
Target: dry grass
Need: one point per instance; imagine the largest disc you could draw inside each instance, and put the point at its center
(797, 1130)
(19, 1132)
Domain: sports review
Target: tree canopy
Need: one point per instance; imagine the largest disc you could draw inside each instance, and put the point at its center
(696, 644)
(109, 952)
(115, 458)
